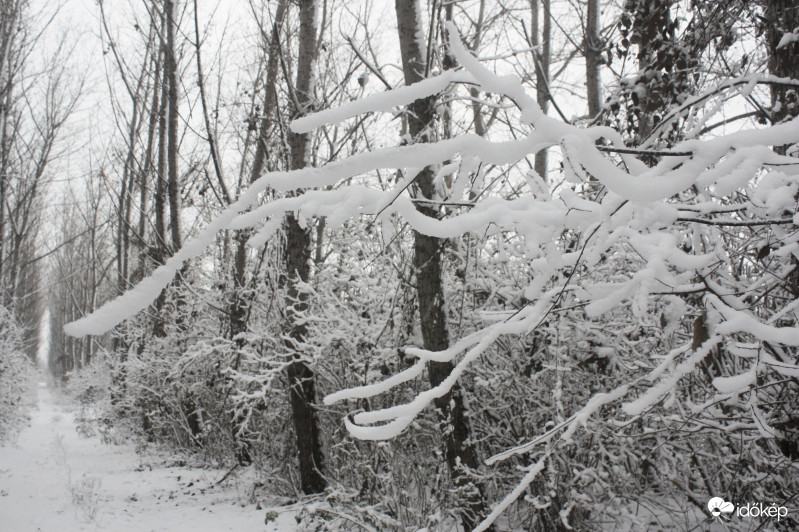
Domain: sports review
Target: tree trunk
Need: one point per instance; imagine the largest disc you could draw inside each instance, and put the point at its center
(297, 253)
(477, 113)
(168, 185)
(782, 16)
(160, 243)
(160, 250)
(240, 302)
(123, 213)
(593, 59)
(427, 261)
(542, 56)
(9, 20)
(652, 32)
(172, 127)
(145, 173)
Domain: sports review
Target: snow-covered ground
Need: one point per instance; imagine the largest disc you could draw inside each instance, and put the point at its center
(53, 479)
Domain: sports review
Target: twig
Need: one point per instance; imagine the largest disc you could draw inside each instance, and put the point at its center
(224, 477)
(209, 131)
(736, 223)
(438, 203)
(636, 151)
(369, 65)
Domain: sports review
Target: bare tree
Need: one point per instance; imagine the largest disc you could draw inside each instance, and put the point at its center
(297, 256)
(421, 117)
(542, 56)
(239, 308)
(171, 75)
(34, 104)
(593, 59)
(781, 18)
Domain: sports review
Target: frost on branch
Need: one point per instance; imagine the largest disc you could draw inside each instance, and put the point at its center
(696, 243)
(16, 379)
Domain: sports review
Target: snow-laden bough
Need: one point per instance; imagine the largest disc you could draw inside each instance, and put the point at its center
(639, 210)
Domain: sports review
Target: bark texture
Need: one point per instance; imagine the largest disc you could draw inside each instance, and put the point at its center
(593, 59)
(160, 246)
(302, 390)
(240, 301)
(160, 243)
(421, 118)
(782, 16)
(172, 126)
(542, 55)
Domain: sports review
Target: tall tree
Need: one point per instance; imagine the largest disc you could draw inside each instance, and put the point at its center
(648, 25)
(160, 202)
(33, 108)
(241, 299)
(167, 190)
(782, 19)
(592, 46)
(297, 256)
(421, 120)
(541, 21)
(171, 74)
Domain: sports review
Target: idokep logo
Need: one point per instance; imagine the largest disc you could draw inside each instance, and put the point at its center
(761, 510)
(718, 507)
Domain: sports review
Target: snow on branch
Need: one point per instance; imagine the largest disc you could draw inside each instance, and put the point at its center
(383, 101)
(637, 217)
(740, 321)
(644, 185)
(669, 382)
(400, 416)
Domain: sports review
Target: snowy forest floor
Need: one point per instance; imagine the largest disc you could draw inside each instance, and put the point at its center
(53, 478)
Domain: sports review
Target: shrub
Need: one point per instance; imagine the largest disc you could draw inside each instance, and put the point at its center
(17, 373)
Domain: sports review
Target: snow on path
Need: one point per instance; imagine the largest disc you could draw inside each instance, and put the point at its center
(56, 480)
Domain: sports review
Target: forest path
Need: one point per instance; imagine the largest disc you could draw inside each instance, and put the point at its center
(56, 480)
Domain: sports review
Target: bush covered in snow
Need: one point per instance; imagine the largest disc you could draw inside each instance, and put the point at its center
(17, 374)
(89, 390)
(620, 332)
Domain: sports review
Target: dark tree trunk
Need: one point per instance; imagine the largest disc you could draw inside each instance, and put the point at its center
(8, 28)
(172, 126)
(782, 16)
(593, 59)
(542, 56)
(427, 261)
(125, 197)
(651, 32)
(145, 174)
(240, 302)
(667, 62)
(160, 245)
(302, 393)
(160, 174)
(167, 191)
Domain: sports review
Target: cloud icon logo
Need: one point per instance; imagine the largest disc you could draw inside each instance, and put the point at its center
(717, 506)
